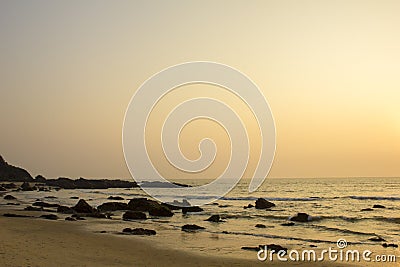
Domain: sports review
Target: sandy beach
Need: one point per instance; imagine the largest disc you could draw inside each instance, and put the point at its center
(37, 242)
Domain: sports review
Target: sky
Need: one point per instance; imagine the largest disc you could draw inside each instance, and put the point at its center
(329, 70)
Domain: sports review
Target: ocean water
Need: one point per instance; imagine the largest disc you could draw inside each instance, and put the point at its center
(334, 204)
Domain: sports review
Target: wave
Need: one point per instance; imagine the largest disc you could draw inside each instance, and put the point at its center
(274, 198)
(374, 198)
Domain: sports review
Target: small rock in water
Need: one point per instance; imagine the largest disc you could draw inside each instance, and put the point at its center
(45, 204)
(288, 224)
(191, 209)
(376, 239)
(376, 206)
(83, 207)
(249, 206)
(251, 248)
(139, 231)
(300, 217)
(264, 204)
(367, 209)
(259, 225)
(65, 209)
(49, 216)
(386, 245)
(134, 215)
(214, 218)
(191, 227)
(9, 197)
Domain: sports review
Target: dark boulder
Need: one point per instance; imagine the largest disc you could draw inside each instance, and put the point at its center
(9, 197)
(30, 208)
(301, 217)
(191, 209)
(70, 219)
(152, 207)
(65, 209)
(2, 189)
(83, 207)
(115, 198)
(214, 218)
(26, 187)
(264, 204)
(134, 215)
(139, 231)
(161, 211)
(49, 216)
(74, 197)
(377, 206)
(259, 225)
(249, 206)
(112, 206)
(191, 227)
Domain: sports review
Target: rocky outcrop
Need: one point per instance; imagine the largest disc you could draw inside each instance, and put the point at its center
(49, 216)
(12, 173)
(83, 183)
(27, 187)
(152, 207)
(139, 231)
(264, 204)
(134, 215)
(112, 206)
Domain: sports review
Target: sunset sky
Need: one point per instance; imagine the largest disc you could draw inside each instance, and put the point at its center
(330, 71)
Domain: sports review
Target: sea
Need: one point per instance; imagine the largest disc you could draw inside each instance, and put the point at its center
(336, 207)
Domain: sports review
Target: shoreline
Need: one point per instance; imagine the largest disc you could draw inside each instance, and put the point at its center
(40, 242)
